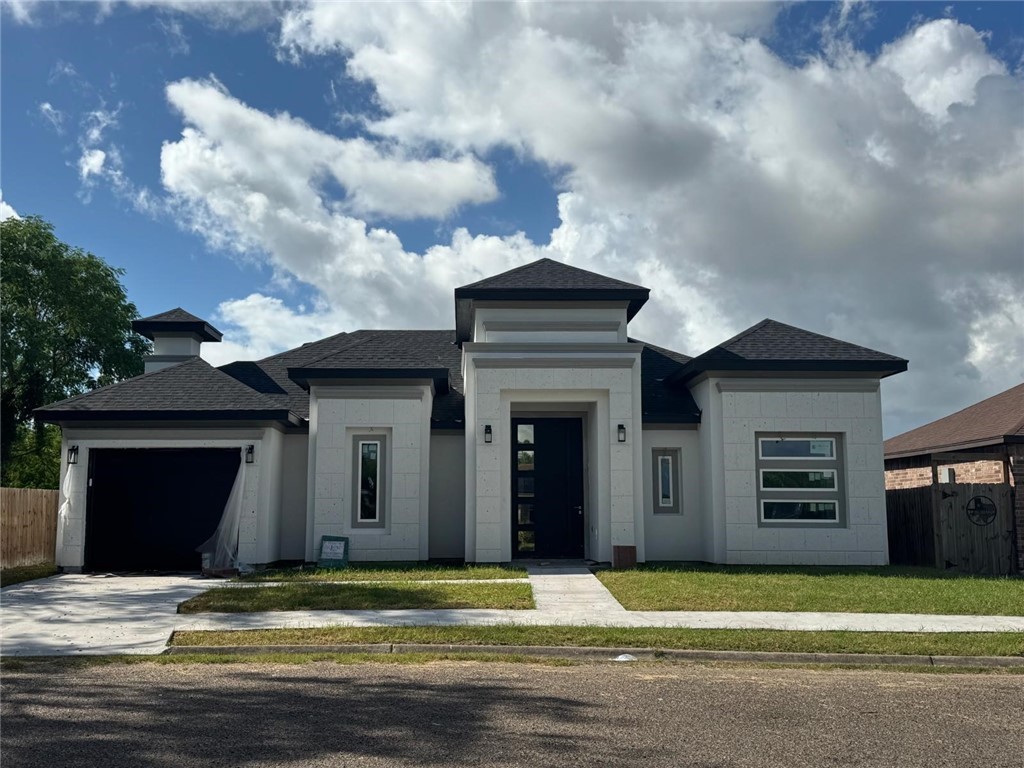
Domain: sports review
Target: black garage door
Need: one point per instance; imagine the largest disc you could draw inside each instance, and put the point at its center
(148, 509)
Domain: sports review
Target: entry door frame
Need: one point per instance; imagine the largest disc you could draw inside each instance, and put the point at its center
(573, 518)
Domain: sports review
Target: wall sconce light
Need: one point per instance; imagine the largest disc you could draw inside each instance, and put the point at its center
(622, 433)
(250, 454)
(488, 434)
(73, 454)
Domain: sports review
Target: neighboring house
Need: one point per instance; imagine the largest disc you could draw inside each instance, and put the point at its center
(535, 429)
(983, 443)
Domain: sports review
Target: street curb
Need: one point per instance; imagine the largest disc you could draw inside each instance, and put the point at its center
(608, 654)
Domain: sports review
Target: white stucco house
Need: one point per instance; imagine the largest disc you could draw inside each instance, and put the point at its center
(537, 428)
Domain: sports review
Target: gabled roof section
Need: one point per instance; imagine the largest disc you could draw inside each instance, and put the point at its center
(776, 347)
(545, 280)
(386, 355)
(190, 390)
(176, 320)
(997, 420)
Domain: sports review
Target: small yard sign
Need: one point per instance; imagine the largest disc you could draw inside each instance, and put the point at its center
(333, 552)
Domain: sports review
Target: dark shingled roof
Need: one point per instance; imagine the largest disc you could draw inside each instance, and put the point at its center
(997, 420)
(661, 401)
(189, 390)
(545, 280)
(358, 351)
(176, 320)
(549, 275)
(774, 346)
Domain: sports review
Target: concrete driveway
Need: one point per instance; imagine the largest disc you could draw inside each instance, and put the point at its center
(72, 614)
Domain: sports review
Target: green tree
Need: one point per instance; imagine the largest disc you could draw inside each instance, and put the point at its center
(65, 328)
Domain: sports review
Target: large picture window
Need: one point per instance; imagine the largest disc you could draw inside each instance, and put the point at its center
(369, 480)
(799, 479)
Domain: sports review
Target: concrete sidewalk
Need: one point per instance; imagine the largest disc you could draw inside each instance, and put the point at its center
(76, 614)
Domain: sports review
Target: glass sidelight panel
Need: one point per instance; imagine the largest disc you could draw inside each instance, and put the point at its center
(527, 541)
(524, 434)
(525, 486)
(369, 480)
(525, 513)
(525, 461)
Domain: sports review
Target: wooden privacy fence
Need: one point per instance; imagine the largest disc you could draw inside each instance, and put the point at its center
(965, 526)
(28, 526)
(911, 526)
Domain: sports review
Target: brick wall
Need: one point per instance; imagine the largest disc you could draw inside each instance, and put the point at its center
(973, 472)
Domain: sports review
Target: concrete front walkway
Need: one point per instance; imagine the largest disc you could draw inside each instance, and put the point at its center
(94, 614)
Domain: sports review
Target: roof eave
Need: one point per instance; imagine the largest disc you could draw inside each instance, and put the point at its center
(984, 442)
(696, 367)
(203, 330)
(57, 416)
(304, 377)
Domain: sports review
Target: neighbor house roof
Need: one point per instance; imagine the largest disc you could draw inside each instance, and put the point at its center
(774, 346)
(192, 390)
(545, 280)
(176, 320)
(997, 420)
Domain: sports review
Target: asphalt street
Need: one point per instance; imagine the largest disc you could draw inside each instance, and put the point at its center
(497, 714)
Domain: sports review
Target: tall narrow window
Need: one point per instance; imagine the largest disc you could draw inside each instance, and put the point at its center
(667, 491)
(369, 481)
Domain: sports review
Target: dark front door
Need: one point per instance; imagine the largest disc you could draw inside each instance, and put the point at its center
(547, 488)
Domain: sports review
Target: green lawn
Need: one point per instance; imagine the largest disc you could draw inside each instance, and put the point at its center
(10, 576)
(853, 590)
(924, 644)
(327, 597)
(390, 572)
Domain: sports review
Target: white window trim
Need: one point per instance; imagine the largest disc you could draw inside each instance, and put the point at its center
(662, 501)
(799, 521)
(834, 488)
(762, 440)
(376, 483)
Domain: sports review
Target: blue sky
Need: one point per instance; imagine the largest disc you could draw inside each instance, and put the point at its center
(722, 156)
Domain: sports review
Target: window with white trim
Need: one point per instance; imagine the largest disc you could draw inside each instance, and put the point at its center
(799, 479)
(666, 487)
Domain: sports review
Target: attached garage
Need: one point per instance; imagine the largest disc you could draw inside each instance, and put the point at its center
(148, 509)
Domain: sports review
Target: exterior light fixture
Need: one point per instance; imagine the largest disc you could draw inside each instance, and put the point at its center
(488, 434)
(73, 454)
(622, 433)
(250, 454)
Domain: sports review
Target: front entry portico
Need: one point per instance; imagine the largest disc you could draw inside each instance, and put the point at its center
(548, 519)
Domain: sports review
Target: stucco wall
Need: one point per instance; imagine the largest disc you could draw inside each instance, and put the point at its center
(447, 495)
(295, 460)
(674, 536)
(824, 407)
(614, 490)
(402, 414)
(256, 508)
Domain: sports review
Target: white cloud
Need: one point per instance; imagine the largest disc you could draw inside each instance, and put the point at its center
(174, 32)
(874, 199)
(284, 160)
(52, 115)
(940, 64)
(6, 211)
(91, 164)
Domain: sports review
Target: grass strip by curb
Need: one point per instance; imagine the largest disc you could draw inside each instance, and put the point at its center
(370, 596)
(386, 572)
(648, 654)
(755, 640)
(888, 589)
